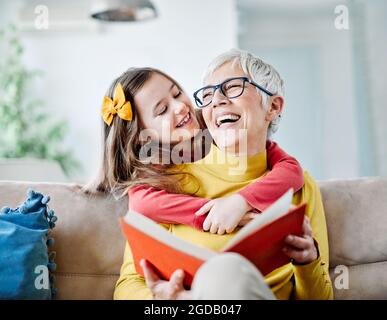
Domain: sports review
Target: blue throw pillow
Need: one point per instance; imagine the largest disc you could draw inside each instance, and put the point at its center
(25, 262)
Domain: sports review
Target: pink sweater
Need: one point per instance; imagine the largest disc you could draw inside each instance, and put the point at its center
(164, 207)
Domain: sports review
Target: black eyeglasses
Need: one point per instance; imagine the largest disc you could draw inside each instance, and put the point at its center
(230, 88)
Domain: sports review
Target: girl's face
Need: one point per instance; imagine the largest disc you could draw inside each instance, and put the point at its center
(165, 111)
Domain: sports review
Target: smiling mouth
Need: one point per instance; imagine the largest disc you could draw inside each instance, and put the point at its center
(185, 120)
(227, 118)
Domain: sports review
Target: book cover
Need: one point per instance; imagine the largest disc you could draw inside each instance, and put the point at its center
(261, 241)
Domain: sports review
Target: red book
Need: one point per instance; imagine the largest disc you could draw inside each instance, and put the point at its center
(260, 241)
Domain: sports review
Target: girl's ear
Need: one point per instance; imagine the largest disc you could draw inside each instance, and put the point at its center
(276, 104)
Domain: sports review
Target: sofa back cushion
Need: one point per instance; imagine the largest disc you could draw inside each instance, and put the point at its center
(88, 242)
(356, 214)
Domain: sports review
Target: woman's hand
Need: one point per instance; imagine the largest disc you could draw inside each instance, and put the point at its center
(247, 218)
(302, 249)
(224, 214)
(165, 290)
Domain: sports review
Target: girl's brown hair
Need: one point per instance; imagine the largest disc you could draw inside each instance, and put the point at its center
(121, 167)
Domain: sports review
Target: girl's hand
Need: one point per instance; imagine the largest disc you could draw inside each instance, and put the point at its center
(302, 249)
(224, 214)
(165, 290)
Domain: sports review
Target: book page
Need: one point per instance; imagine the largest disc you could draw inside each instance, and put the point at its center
(276, 210)
(155, 231)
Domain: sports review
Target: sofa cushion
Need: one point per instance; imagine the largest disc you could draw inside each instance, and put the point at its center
(365, 281)
(356, 214)
(88, 240)
(24, 258)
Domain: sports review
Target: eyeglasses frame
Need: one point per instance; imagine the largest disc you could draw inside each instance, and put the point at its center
(220, 85)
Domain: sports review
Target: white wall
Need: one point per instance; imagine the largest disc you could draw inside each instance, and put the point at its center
(376, 42)
(79, 65)
(322, 126)
(315, 60)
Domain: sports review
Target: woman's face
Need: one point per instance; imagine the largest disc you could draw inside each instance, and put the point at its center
(165, 111)
(247, 111)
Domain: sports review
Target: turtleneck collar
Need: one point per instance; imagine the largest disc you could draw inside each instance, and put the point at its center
(234, 168)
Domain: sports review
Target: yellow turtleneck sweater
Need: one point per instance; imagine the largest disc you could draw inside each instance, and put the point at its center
(218, 175)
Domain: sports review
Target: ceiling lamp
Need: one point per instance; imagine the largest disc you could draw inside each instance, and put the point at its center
(123, 10)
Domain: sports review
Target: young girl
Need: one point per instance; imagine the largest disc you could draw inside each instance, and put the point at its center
(150, 186)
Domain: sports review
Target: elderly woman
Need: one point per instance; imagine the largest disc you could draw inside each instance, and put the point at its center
(255, 112)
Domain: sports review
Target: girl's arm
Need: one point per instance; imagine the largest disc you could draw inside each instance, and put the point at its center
(285, 173)
(164, 207)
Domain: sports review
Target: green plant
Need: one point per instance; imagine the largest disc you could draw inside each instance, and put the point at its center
(27, 130)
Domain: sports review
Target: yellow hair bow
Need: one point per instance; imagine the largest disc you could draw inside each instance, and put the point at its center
(118, 105)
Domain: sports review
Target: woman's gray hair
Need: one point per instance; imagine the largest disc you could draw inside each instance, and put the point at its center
(260, 72)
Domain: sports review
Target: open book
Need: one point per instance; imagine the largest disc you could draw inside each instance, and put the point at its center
(260, 241)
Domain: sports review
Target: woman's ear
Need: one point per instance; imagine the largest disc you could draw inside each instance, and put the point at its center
(276, 104)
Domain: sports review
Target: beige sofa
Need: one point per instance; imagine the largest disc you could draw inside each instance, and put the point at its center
(89, 243)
